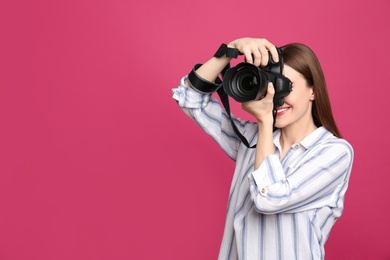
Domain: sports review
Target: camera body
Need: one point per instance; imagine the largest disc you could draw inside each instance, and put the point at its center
(246, 82)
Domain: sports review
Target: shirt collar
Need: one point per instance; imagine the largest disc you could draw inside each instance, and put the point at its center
(313, 138)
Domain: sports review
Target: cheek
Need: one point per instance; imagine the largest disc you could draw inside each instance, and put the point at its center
(289, 99)
(298, 96)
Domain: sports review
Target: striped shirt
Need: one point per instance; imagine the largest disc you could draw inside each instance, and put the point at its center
(286, 208)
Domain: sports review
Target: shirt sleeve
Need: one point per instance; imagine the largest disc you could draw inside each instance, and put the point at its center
(207, 112)
(320, 179)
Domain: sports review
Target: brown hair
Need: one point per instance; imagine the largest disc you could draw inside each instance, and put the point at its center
(302, 59)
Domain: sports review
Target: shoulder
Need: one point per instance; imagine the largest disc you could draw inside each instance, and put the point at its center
(343, 146)
(333, 146)
(322, 141)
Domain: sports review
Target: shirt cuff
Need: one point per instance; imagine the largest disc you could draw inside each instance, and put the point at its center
(269, 172)
(188, 97)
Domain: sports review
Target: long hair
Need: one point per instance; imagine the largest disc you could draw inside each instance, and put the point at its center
(302, 59)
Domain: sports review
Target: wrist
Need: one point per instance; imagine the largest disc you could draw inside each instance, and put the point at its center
(265, 122)
(226, 51)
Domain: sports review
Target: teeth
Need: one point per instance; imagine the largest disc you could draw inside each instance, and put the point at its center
(281, 110)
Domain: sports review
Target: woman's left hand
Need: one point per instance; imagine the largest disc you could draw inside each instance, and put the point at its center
(262, 109)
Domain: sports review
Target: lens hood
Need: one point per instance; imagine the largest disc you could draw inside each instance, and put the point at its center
(245, 82)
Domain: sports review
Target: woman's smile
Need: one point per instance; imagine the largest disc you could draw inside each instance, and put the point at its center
(281, 110)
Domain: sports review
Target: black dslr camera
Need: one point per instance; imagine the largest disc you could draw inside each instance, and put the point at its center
(246, 82)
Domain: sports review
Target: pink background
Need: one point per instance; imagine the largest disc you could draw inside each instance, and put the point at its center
(98, 162)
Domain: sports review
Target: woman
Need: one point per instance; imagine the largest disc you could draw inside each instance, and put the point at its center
(287, 193)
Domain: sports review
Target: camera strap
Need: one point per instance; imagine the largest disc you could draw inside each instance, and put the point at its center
(225, 102)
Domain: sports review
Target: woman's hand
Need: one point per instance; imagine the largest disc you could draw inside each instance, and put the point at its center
(262, 109)
(257, 48)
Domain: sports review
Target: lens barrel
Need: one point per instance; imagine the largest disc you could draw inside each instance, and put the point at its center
(245, 82)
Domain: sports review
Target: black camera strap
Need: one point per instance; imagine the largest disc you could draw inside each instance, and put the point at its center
(225, 102)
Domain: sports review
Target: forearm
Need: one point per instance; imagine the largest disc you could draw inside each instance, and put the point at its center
(212, 68)
(207, 112)
(265, 145)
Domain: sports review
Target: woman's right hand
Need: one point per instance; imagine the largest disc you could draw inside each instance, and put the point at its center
(255, 50)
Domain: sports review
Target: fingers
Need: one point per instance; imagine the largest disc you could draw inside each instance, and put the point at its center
(272, 49)
(256, 51)
(265, 102)
(261, 109)
(266, 48)
(270, 90)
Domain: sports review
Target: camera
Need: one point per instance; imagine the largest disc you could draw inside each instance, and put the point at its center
(246, 82)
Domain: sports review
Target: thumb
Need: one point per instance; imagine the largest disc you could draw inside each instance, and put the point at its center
(270, 90)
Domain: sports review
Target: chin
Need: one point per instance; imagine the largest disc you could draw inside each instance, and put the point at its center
(279, 124)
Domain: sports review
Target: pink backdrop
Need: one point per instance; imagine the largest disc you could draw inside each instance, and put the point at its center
(97, 161)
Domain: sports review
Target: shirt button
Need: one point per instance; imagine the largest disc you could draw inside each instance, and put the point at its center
(263, 191)
(296, 146)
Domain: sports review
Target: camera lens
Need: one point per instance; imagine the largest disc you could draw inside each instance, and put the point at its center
(248, 83)
(245, 82)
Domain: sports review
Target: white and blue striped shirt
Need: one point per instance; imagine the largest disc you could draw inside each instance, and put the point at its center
(286, 208)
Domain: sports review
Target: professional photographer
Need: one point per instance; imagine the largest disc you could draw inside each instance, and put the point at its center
(292, 166)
